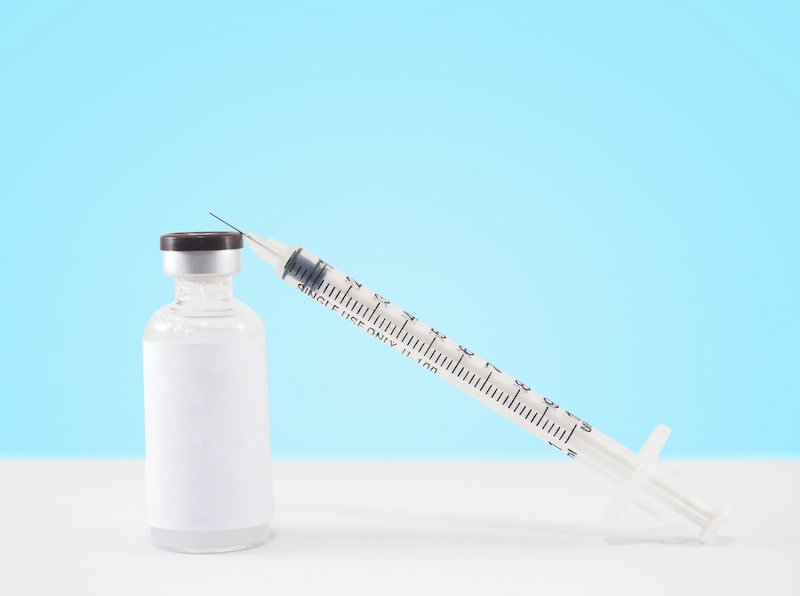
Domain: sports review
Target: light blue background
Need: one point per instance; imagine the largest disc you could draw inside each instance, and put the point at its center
(602, 199)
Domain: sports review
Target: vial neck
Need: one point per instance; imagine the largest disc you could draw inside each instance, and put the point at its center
(203, 289)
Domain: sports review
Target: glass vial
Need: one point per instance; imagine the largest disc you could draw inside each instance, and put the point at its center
(209, 483)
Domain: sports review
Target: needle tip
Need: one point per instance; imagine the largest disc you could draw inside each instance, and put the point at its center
(226, 223)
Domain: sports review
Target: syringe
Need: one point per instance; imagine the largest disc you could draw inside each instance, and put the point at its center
(642, 479)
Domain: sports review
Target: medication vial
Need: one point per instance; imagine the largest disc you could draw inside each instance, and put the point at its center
(209, 484)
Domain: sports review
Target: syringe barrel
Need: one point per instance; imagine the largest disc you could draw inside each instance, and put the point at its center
(432, 350)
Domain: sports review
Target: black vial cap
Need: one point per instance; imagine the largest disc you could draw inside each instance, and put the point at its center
(188, 241)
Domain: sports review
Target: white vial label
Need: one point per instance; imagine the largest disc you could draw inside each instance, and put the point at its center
(207, 435)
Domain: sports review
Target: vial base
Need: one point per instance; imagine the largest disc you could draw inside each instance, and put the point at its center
(208, 542)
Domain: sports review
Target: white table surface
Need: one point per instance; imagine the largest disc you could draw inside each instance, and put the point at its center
(78, 527)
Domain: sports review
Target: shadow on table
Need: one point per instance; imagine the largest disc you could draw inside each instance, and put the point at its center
(358, 528)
